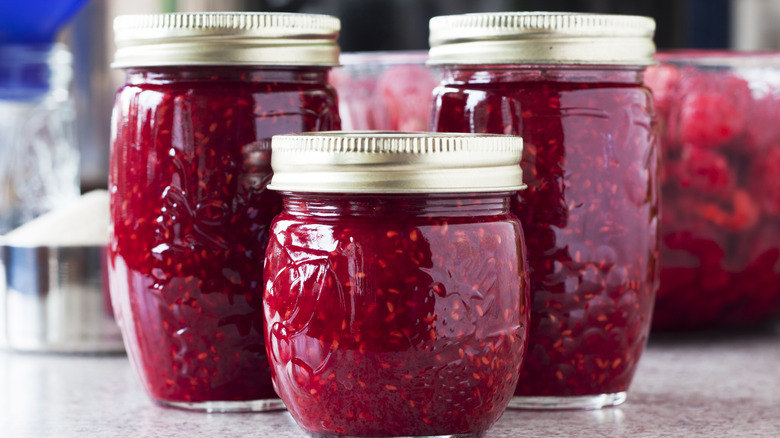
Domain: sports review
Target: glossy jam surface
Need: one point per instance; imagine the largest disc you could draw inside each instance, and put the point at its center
(396, 315)
(720, 231)
(190, 214)
(590, 213)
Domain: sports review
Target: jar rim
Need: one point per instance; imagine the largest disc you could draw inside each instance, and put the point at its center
(396, 162)
(226, 38)
(720, 58)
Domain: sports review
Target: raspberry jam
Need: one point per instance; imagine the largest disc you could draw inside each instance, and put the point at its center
(590, 214)
(720, 230)
(395, 314)
(591, 209)
(189, 167)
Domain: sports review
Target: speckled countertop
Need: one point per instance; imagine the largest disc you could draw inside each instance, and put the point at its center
(702, 385)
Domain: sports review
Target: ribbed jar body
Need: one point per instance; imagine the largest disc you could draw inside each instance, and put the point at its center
(396, 314)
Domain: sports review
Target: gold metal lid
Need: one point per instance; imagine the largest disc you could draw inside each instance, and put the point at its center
(541, 38)
(396, 162)
(226, 39)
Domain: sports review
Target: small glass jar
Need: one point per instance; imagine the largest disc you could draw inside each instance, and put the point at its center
(190, 161)
(396, 298)
(720, 231)
(571, 85)
(39, 156)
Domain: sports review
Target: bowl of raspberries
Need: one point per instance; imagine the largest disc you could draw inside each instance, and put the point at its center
(719, 137)
(386, 91)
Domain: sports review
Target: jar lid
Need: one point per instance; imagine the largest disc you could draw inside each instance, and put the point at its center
(226, 38)
(541, 38)
(396, 162)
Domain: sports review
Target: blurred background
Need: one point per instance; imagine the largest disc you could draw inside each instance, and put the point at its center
(387, 25)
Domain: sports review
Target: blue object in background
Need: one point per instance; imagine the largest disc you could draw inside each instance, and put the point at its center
(35, 21)
(28, 29)
(28, 71)
(707, 24)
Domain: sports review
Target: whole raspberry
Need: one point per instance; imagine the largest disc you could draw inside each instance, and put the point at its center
(709, 120)
(703, 170)
(739, 214)
(761, 127)
(713, 108)
(765, 182)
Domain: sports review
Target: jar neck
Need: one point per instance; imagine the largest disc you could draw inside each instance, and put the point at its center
(476, 74)
(396, 205)
(257, 74)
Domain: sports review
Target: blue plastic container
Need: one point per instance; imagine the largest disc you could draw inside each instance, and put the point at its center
(35, 21)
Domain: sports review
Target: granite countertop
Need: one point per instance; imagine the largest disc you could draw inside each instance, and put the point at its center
(691, 385)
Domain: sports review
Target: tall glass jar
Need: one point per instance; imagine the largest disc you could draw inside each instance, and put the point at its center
(396, 297)
(571, 85)
(190, 161)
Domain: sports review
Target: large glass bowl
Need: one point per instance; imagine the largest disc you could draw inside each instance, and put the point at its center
(719, 115)
(386, 91)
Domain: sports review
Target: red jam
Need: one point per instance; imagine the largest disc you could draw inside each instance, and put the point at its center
(396, 315)
(190, 211)
(590, 213)
(720, 230)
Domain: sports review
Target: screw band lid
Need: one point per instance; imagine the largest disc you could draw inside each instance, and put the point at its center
(396, 162)
(541, 38)
(226, 39)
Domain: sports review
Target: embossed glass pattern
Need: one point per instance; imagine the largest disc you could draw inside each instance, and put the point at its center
(190, 214)
(590, 215)
(396, 314)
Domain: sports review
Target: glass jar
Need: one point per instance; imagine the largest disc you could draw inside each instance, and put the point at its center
(39, 157)
(396, 298)
(189, 165)
(720, 232)
(571, 85)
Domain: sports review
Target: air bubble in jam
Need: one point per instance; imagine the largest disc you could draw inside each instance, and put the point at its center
(590, 164)
(190, 216)
(396, 315)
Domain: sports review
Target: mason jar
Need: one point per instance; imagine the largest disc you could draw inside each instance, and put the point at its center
(571, 85)
(396, 298)
(190, 161)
